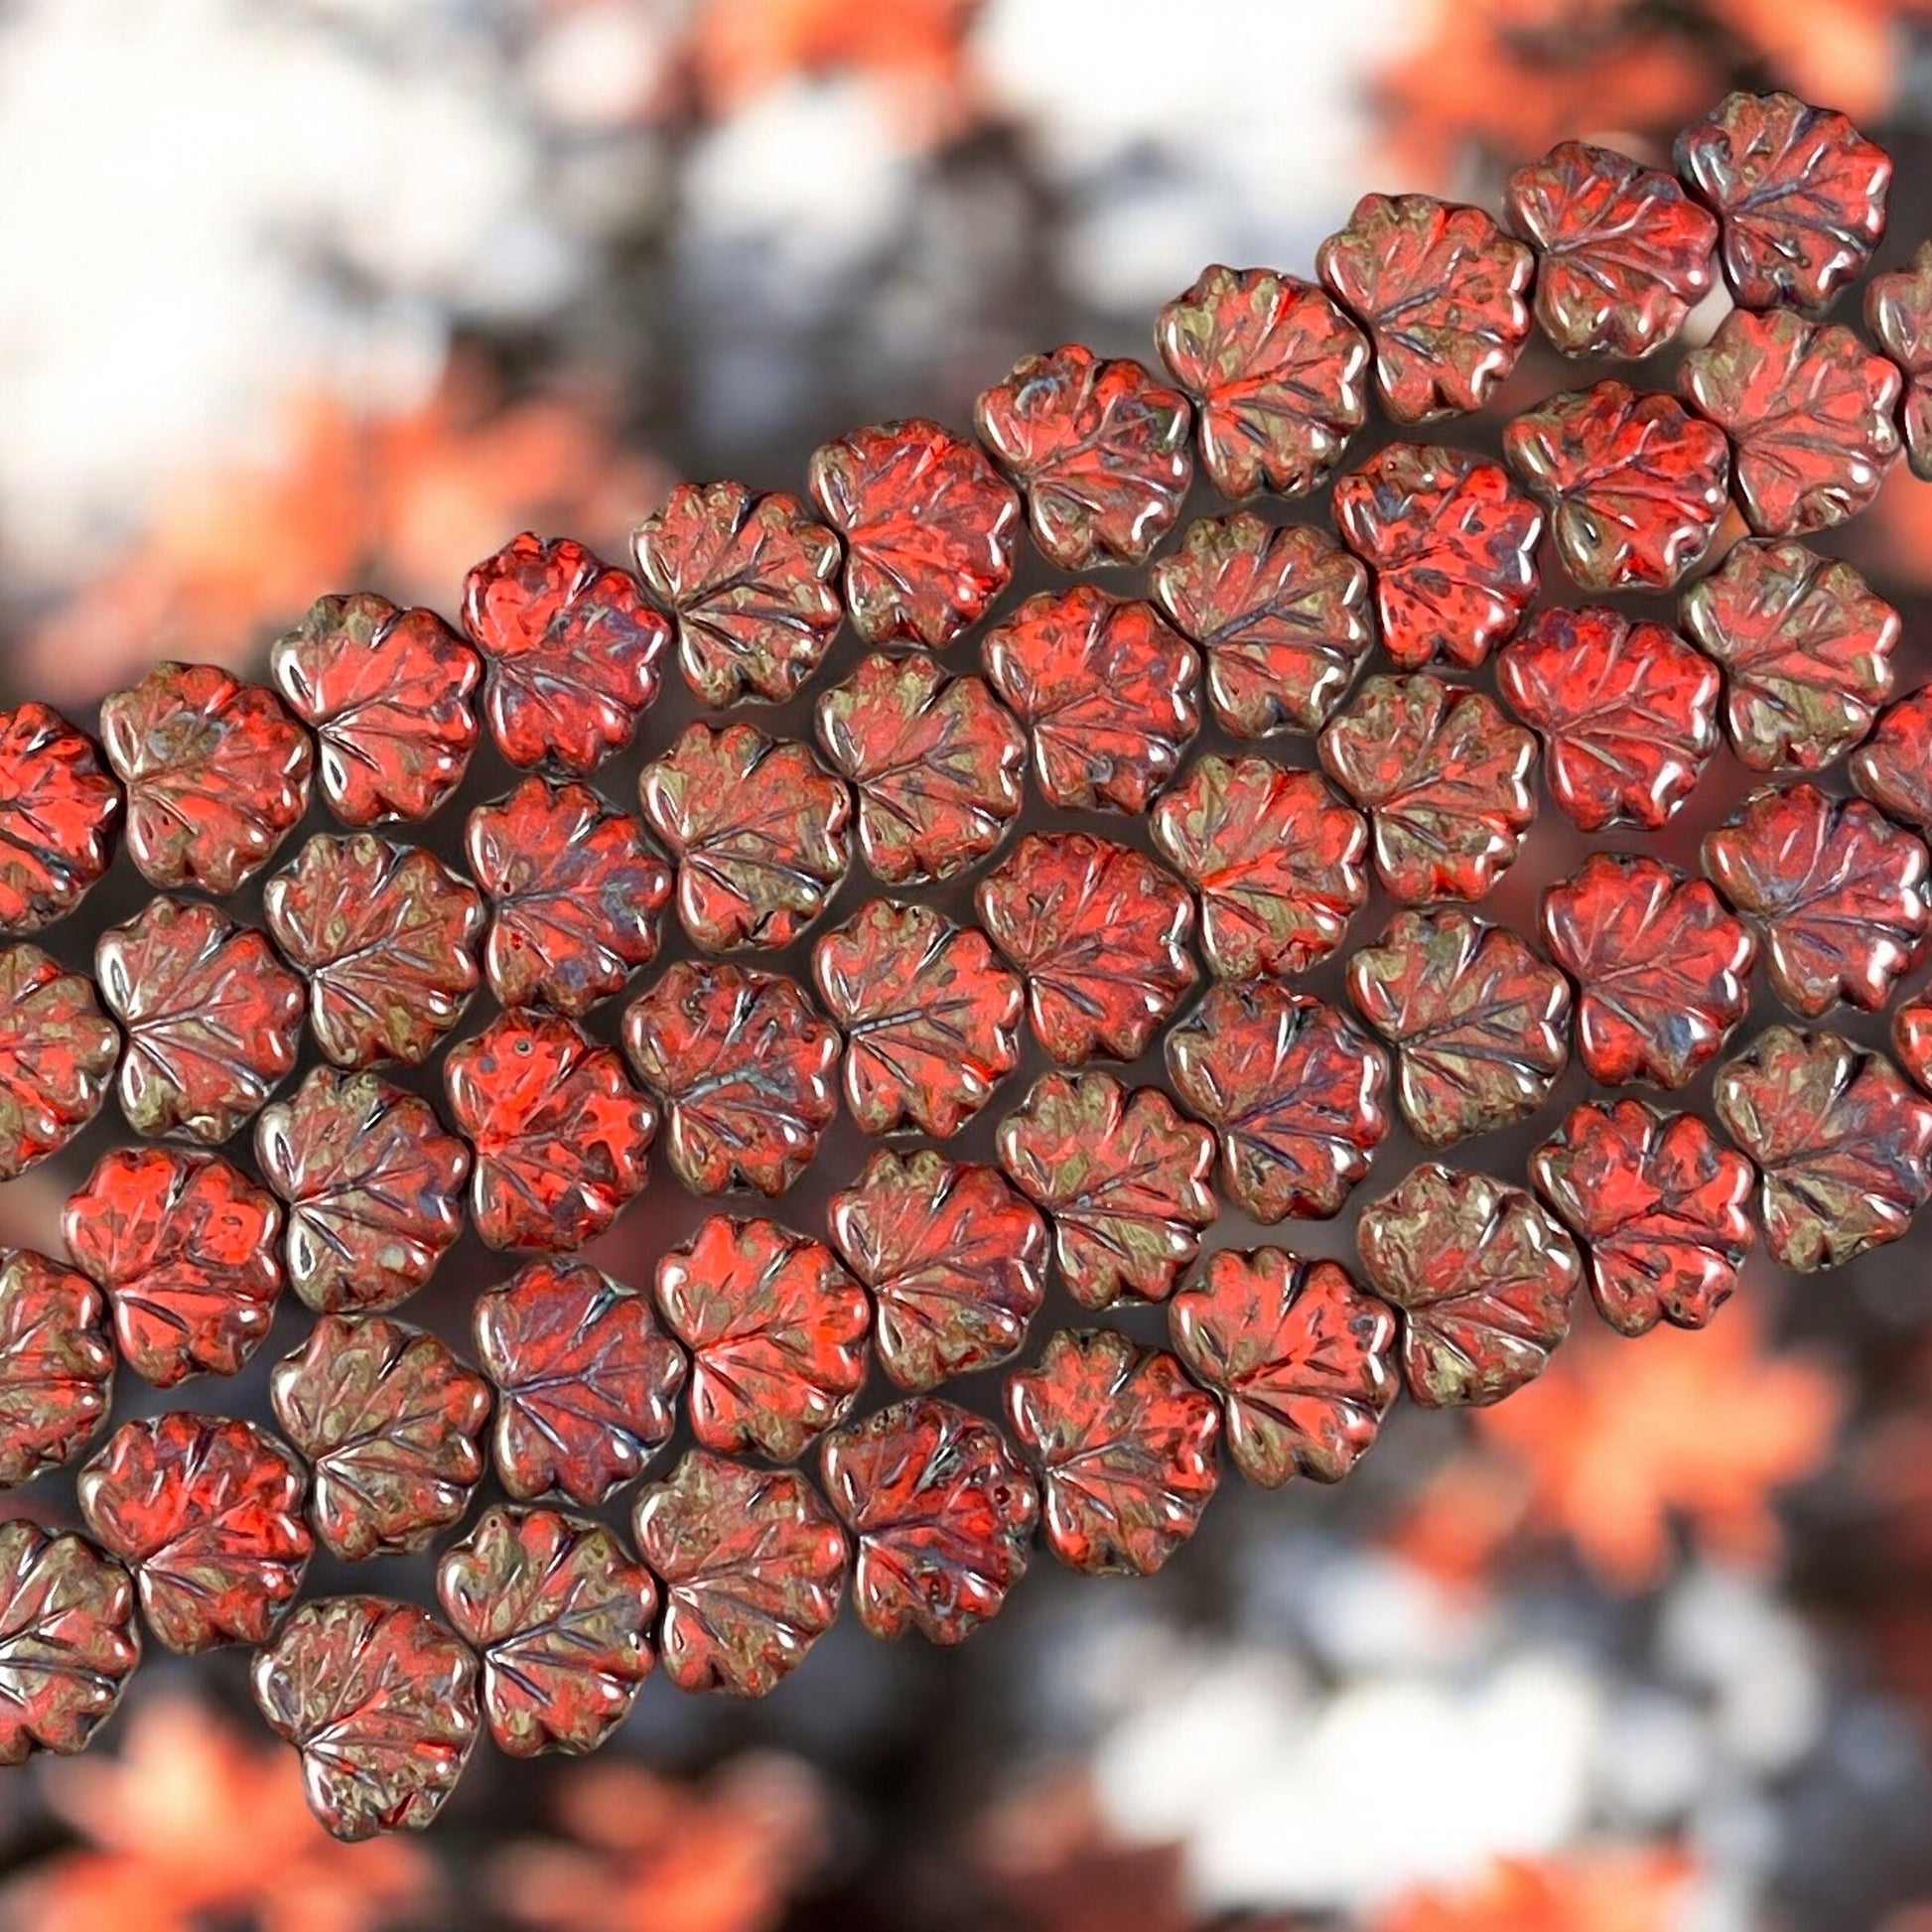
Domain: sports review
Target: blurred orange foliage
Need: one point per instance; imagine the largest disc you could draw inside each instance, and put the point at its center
(1604, 1892)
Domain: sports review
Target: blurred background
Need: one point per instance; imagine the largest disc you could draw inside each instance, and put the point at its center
(311, 295)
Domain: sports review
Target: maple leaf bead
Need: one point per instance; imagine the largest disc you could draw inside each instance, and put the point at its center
(560, 1616)
(1898, 311)
(372, 1185)
(1810, 412)
(1123, 1445)
(930, 1016)
(1280, 615)
(211, 1018)
(743, 1068)
(1806, 648)
(571, 649)
(1635, 486)
(953, 1257)
(207, 1512)
(1912, 1038)
(58, 805)
(215, 772)
(1842, 1144)
(1100, 452)
(1100, 933)
(757, 828)
(750, 1564)
(1106, 689)
(558, 1133)
(1662, 967)
(380, 1700)
(1482, 1279)
(390, 1422)
(930, 528)
(1302, 1359)
(1623, 254)
(387, 694)
(57, 1364)
(1441, 290)
(57, 1056)
(1893, 766)
(1799, 193)
(1660, 1207)
(1451, 545)
(1479, 1023)
(1122, 1177)
(575, 895)
(386, 935)
(749, 578)
(184, 1246)
(69, 1640)
(586, 1381)
(1278, 376)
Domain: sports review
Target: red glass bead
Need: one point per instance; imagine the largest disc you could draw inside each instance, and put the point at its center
(1298, 1096)
(1479, 1023)
(574, 895)
(1443, 776)
(1898, 311)
(373, 1184)
(938, 764)
(1100, 450)
(381, 1700)
(559, 1134)
(1123, 1444)
(385, 937)
(1842, 1144)
(212, 1017)
(1302, 1359)
(1122, 1177)
(932, 1018)
(387, 694)
(1626, 710)
(1483, 1279)
(777, 1330)
(940, 1511)
(390, 1421)
(751, 1565)
(749, 581)
(1623, 254)
(1893, 766)
(1911, 1037)
(587, 1382)
(216, 773)
(1279, 376)
(58, 807)
(1810, 412)
(1106, 688)
(1635, 486)
(757, 827)
(572, 647)
(207, 1512)
(184, 1247)
(1279, 613)
(57, 1364)
(1799, 193)
(1275, 859)
(68, 1639)
(1838, 893)
(1441, 292)
(1806, 648)
(57, 1056)
(930, 528)
(560, 1619)
(1452, 543)
(1662, 968)
(744, 1070)
(1100, 932)
(954, 1259)
(1660, 1205)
